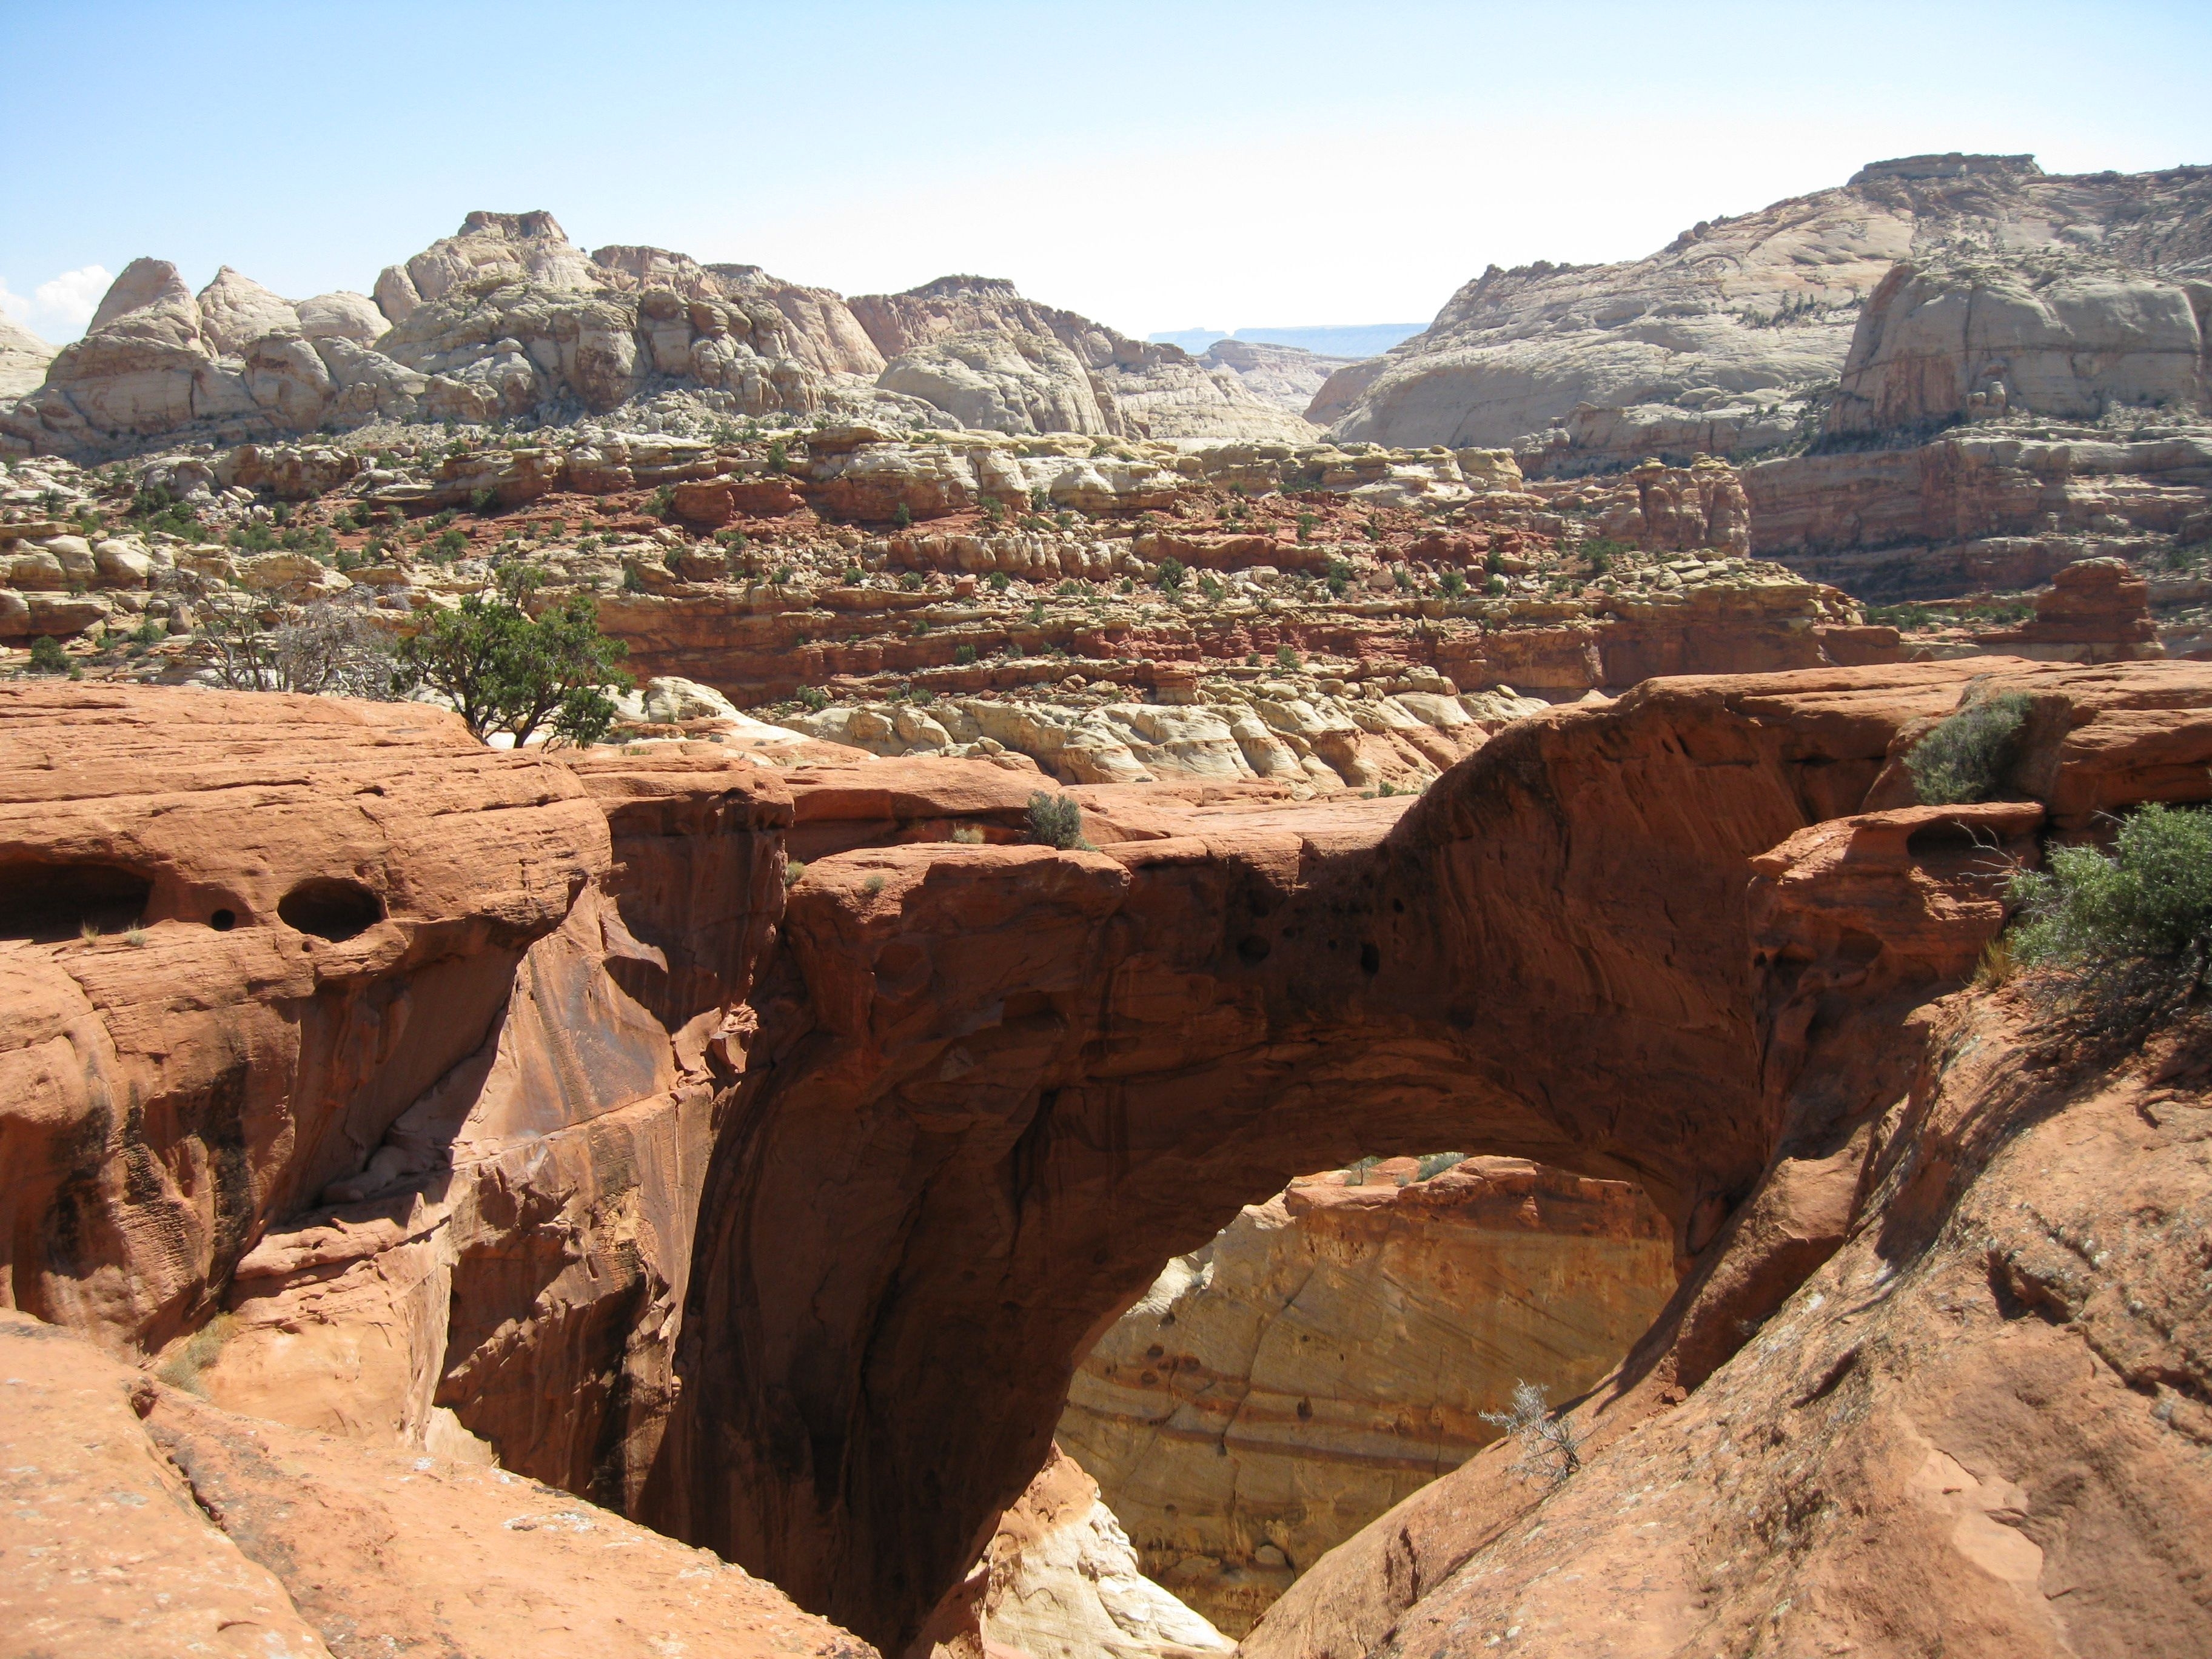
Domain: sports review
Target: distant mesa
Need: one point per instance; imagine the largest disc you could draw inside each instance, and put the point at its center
(1326, 340)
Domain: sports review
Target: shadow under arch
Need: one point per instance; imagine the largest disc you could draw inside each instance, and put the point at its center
(995, 1088)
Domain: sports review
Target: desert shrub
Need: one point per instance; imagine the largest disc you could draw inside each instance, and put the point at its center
(47, 656)
(964, 654)
(1170, 577)
(903, 516)
(1355, 1173)
(911, 581)
(1057, 820)
(1435, 1163)
(1308, 522)
(779, 456)
(793, 871)
(814, 697)
(483, 500)
(1285, 658)
(1455, 585)
(2125, 935)
(182, 1369)
(967, 835)
(1551, 1451)
(1963, 758)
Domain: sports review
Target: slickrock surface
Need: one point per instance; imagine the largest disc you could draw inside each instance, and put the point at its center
(1060, 1581)
(23, 359)
(1721, 343)
(518, 1108)
(144, 1524)
(1979, 1428)
(1333, 1351)
(1041, 1071)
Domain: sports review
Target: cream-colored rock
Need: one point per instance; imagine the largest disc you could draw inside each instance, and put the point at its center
(1717, 342)
(343, 315)
(23, 359)
(2066, 337)
(236, 311)
(1333, 1351)
(1000, 383)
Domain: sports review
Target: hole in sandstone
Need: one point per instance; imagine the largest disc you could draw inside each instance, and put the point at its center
(1349, 1397)
(223, 920)
(1370, 959)
(1252, 950)
(331, 908)
(46, 901)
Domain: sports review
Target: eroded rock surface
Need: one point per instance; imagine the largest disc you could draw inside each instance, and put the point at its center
(1722, 342)
(1333, 1351)
(144, 1524)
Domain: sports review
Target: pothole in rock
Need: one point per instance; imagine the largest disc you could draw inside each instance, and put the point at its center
(1331, 1352)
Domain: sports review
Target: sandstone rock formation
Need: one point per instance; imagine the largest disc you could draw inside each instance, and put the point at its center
(1722, 342)
(1043, 1067)
(2059, 336)
(974, 347)
(1933, 1442)
(1333, 1351)
(1289, 376)
(1989, 508)
(1059, 1581)
(144, 1524)
(23, 359)
(508, 320)
(457, 1021)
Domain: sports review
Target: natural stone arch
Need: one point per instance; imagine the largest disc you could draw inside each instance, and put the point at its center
(999, 1087)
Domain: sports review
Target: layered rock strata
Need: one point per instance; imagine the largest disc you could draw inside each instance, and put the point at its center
(1333, 1351)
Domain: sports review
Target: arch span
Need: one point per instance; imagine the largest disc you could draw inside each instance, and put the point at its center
(995, 1087)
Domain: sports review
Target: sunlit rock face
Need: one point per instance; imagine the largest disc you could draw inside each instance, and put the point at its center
(1335, 1349)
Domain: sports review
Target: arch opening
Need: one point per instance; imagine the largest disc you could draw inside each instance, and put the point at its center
(46, 901)
(330, 907)
(1335, 1349)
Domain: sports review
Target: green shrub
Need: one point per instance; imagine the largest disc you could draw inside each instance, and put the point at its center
(903, 516)
(1455, 585)
(1285, 658)
(2128, 934)
(1307, 523)
(998, 581)
(779, 457)
(1964, 757)
(964, 654)
(814, 697)
(1171, 575)
(1435, 1163)
(483, 500)
(47, 656)
(506, 671)
(1057, 820)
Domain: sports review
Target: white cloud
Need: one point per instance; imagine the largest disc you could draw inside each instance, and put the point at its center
(73, 296)
(13, 305)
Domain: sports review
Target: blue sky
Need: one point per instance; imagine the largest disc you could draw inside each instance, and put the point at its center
(1155, 166)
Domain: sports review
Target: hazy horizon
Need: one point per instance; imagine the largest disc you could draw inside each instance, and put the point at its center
(1225, 162)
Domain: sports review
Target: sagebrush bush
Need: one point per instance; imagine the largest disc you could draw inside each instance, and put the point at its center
(1964, 757)
(1057, 820)
(2127, 934)
(1551, 1451)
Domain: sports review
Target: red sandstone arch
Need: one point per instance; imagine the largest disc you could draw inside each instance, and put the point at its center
(996, 1087)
